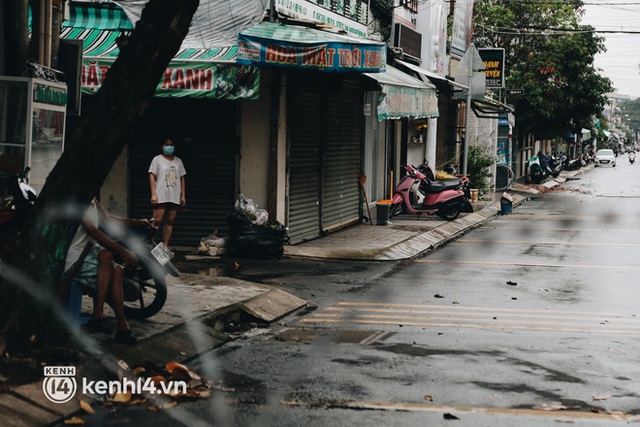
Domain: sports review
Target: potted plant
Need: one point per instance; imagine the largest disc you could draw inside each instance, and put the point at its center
(479, 161)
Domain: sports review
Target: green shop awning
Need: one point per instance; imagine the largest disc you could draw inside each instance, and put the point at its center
(282, 45)
(195, 73)
(404, 96)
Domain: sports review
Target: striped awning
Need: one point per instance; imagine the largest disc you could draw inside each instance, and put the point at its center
(200, 73)
(98, 16)
(98, 25)
(101, 44)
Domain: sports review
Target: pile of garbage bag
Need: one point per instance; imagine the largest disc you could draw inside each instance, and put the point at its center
(252, 235)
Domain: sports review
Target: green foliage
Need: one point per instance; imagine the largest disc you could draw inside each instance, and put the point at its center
(479, 161)
(550, 55)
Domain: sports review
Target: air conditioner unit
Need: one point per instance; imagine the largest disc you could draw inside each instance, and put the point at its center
(408, 40)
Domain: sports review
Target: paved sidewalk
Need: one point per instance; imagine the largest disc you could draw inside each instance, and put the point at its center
(199, 304)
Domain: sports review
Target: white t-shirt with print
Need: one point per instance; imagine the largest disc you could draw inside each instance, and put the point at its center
(168, 174)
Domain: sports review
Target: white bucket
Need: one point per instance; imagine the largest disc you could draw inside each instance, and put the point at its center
(474, 195)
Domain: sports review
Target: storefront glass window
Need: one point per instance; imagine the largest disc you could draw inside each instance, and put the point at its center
(13, 117)
(46, 144)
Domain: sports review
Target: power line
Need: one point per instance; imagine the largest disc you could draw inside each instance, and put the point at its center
(545, 31)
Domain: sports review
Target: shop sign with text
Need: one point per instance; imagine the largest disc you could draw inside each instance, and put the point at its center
(322, 56)
(201, 80)
(493, 59)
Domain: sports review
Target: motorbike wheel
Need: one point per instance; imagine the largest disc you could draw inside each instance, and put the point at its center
(449, 213)
(396, 209)
(151, 298)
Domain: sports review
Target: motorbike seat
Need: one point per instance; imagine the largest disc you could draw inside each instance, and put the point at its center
(441, 185)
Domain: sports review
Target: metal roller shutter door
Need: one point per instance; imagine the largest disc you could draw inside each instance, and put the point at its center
(205, 131)
(304, 137)
(342, 139)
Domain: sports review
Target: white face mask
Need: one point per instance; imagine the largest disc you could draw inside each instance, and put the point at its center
(168, 150)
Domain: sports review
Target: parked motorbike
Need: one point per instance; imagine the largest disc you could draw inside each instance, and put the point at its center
(571, 164)
(428, 172)
(145, 286)
(417, 195)
(14, 210)
(536, 173)
(551, 165)
(632, 157)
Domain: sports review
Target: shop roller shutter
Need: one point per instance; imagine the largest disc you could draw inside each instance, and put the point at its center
(205, 131)
(304, 136)
(341, 154)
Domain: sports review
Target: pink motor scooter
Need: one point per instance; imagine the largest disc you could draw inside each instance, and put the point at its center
(417, 195)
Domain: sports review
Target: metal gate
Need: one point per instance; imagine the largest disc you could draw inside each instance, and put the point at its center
(205, 133)
(341, 149)
(324, 140)
(304, 136)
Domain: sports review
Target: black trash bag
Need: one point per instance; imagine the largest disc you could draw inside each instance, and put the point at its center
(247, 240)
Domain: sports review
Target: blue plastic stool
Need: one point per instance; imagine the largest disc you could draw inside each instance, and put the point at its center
(73, 304)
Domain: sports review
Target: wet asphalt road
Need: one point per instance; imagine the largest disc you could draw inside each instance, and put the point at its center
(531, 320)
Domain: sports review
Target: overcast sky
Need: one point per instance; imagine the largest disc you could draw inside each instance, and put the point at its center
(621, 62)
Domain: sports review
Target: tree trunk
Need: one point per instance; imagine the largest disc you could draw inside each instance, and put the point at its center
(91, 149)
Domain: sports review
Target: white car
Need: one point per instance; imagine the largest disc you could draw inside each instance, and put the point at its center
(605, 157)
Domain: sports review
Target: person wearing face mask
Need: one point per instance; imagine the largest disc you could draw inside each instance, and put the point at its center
(168, 188)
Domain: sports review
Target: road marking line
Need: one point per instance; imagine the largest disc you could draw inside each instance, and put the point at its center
(431, 407)
(577, 218)
(318, 319)
(469, 307)
(493, 313)
(477, 317)
(525, 264)
(529, 242)
(494, 319)
(529, 229)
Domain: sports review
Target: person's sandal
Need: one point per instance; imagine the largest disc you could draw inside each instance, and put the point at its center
(125, 336)
(97, 325)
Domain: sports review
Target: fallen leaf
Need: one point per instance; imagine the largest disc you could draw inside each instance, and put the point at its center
(170, 366)
(602, 397)
(74, 421)
(139, 370)
(448, 416)
(138, 401)
(554, 407)
(429, 398)
(438, 296)
(86, 407)
(121, 397)
(123, 364)
(166, 405)
(181, 372)
(158, 379)
(236, 265)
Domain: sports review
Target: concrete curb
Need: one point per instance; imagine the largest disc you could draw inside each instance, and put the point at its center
(432, 239)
